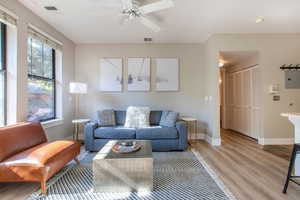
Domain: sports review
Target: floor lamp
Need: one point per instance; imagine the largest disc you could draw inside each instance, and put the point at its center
(78, 88)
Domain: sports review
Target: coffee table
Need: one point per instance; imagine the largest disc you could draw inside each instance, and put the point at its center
(131, 172)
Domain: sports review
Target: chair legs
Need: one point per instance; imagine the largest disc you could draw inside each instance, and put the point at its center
(44, 182)
(292, 162)
(43, 187)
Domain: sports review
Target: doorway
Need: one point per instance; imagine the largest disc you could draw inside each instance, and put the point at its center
(239, 87)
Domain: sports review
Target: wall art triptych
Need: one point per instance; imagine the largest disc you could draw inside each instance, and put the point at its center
(139, 74)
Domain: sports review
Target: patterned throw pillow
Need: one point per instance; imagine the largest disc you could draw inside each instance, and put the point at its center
(106, 118)
(168, 118)
(137, 117)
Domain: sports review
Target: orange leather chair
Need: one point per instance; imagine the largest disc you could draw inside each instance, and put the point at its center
(27, 156)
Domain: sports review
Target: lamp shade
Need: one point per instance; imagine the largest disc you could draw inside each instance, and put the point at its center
(78, 88)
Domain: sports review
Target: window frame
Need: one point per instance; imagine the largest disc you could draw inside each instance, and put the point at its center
(3, 68)
(53, 79)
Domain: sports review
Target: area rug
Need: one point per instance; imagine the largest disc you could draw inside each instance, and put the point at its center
(177, 175)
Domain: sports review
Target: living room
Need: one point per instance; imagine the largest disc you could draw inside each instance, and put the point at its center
(123, 101)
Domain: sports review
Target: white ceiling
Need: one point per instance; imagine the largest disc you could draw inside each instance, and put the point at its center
(88, 21)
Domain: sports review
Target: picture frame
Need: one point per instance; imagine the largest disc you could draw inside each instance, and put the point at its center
(139, 74)
(167, 74)
(111, 74)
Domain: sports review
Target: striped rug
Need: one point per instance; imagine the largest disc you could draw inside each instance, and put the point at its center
(177, 175)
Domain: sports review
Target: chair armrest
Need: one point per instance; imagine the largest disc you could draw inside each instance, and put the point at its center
(89, 130)
(181, 127)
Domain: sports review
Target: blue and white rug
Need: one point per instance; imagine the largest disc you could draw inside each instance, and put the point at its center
(177, 175)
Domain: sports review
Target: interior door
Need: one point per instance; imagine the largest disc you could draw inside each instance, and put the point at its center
(255, 104)
(242, 101)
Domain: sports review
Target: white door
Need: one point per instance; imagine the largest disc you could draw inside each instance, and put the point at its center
(243, 105)
(255, 105)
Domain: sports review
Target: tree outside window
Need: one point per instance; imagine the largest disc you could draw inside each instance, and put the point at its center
(41, 81)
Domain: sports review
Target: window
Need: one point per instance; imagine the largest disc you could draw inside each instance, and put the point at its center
(41, 81)
(2, 74)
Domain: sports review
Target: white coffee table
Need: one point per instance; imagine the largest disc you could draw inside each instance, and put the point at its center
(123, 172)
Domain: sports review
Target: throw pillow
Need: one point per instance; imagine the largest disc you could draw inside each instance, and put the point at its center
(106, 117)
(168, 118)
(137, 117)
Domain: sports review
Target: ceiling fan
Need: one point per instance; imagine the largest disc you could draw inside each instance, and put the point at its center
(131, 10)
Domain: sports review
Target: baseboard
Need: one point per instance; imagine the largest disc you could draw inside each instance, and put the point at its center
(69, 137)
(276, 141)
(213, 141)
(199, 136)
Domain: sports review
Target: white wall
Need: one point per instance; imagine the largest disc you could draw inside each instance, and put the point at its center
(274, 50)
(188, 101)
(26, 17)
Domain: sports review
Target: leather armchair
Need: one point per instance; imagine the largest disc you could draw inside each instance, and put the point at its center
(27, 156)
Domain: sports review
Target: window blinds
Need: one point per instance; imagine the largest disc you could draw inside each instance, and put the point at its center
(7, 18)
(39, 36)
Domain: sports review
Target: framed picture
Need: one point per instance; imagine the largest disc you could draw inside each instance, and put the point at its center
(167, 74)
(111, 74)
(138, 75)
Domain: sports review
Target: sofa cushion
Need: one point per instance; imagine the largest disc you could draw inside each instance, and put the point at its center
(29, 164)
(106, 117)
(115, 132)
(156, 133)
(168, 118)
(155, 117)
(137, 117)
(120, 117)
(19, 137)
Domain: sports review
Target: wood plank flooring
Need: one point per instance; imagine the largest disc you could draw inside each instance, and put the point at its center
(247, 170)
(283, 151)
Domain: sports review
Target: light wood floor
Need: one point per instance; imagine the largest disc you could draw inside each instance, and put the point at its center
(246, 169)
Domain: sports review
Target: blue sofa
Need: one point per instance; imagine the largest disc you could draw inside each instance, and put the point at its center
(163, 138)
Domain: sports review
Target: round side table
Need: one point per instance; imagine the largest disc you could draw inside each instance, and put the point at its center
(77, 124)
(192, 127)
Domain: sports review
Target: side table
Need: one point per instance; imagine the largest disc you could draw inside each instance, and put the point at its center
(77, 124)
(192, 127)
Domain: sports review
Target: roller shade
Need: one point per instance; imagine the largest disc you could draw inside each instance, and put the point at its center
(7, 18)
(39, 36)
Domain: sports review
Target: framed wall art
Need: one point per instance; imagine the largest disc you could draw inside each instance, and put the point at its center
(111, 74)
(167, 74)
(138, 75)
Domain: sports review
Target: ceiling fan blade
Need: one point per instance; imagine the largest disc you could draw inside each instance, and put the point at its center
(127, 4)
(149, 24)
(153, 7)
